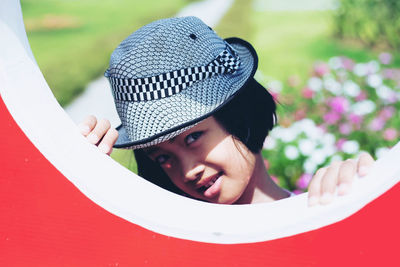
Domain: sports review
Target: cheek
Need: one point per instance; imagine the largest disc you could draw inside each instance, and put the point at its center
(220, 153)
(171, 172)
(174, 173)
(233, 156)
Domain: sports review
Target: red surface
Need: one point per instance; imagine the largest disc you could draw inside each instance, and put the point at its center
(46, 221)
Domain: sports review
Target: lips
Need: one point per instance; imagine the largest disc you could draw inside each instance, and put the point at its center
(207, 182)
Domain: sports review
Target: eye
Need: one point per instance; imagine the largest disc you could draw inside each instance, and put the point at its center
(192, 137)
(161, 159)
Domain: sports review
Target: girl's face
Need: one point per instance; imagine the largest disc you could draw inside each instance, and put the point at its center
(206, 162)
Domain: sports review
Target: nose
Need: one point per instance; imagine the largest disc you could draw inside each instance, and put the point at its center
(192, 171)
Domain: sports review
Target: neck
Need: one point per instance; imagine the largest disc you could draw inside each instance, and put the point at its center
(261, 187)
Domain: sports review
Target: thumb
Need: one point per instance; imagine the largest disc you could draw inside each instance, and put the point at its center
(365, 162)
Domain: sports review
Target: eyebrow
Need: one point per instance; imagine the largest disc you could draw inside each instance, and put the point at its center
(151, 150)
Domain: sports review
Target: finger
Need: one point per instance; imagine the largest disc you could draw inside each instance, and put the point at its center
(347, 171)
(329, 182)
(87, 125)
(314, 188)
(99, 131)
(108, 141)
(365, 162)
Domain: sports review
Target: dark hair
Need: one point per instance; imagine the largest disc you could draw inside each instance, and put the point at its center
(248, 117)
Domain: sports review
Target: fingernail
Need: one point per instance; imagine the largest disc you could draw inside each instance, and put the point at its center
(104, 148)
(312, 201)
(92, 138)
(326, 198)
(84, 129)
(363, 170)
(344, 188)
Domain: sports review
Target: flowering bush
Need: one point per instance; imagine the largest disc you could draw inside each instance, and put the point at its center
(345, 108)
(373, 22)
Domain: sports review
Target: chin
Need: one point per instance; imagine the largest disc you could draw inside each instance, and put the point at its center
(228, 200)
(235, 195)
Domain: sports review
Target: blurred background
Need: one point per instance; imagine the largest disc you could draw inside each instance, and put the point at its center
(332, 65)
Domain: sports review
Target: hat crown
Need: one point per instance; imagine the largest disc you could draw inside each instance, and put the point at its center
(172, 73)
(163, 46)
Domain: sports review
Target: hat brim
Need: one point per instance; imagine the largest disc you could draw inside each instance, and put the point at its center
(125, 142)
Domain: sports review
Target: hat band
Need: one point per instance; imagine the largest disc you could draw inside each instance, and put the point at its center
(170, 83)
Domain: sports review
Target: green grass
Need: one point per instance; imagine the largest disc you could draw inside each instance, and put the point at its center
(289, 42)
(125, 158)
(72, 40)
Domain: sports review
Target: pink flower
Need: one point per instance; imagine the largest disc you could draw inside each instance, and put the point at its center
(387, 112)
(391, 74)
(388, 73)
(297, 192)
(275, 95)
(390, 134)
(275, 179)
(300, 114)
(355, 119)
(361, 96)
(339, 104)
(307, 93)
(303, 181)
(345, 128)
(331, 117)
(393, 98)
(321, 68)
(340, 142)
(377, 124)
(385, 58)
(348, 64)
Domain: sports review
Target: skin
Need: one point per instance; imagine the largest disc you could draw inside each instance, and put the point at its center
(207, 152)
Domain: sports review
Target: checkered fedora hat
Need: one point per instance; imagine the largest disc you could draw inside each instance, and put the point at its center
(171, 74)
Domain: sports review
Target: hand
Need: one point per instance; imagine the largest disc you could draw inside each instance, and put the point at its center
(338, 175)
(100, 133)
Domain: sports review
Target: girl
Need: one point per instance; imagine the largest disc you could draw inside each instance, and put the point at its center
(197, 119)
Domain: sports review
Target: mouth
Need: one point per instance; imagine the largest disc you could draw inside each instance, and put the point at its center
(208, 182)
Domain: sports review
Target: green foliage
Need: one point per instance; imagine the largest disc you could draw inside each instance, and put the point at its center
(126, 158)
(237, 21)
(373, 22)
(72, 40)
(289, 42)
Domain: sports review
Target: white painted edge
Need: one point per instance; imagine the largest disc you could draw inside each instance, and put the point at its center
(121, 192)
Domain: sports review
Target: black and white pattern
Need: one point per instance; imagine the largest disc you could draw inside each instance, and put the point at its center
(168, 84)
(166, 53)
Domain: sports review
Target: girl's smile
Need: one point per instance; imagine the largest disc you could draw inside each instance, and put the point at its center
(218, 160)
(206, 162)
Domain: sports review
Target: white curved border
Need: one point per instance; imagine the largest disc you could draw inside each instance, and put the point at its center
(124, 194)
